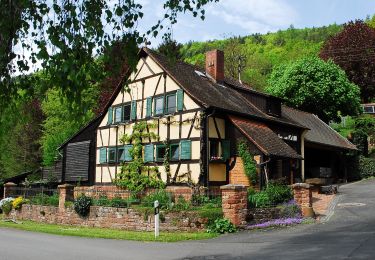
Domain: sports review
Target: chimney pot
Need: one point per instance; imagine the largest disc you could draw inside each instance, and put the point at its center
(215, 65)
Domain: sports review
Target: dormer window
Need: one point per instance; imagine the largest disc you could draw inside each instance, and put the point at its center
(273, 106)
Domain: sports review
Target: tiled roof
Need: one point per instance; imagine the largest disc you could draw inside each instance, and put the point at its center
(264, 138)
(319, 132)
(210, 94)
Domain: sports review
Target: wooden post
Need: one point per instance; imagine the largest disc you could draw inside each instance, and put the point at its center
(8, 189)
(234, 200)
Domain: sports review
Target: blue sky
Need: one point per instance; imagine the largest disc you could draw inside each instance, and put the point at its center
(244, 17)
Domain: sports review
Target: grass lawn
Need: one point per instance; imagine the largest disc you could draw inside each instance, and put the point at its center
(105, 233)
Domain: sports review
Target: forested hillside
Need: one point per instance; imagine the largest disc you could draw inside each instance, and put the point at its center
(261, 53)
(35, 123)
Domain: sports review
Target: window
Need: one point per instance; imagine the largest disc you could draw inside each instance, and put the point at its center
(160, 152)
(102, 155)
(126, 112)
(174, 152)
(121, 154)
(112, 155)
(159, 106)
(118, 114)
(215, 150)
(171, 104)
(369, 109)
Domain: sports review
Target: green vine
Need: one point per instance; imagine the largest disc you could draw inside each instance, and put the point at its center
(133, 174)
(166, 162)
(248, 161)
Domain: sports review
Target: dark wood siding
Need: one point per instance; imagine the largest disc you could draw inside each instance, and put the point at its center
(77, 161)
(53, 173)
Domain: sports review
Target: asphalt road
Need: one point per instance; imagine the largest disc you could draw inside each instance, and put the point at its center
(348, 234)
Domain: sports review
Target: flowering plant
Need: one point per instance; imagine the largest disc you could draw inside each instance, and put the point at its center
(17, 203)
(6, 205)
(277, 222)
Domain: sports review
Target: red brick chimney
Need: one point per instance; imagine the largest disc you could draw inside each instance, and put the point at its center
(215, 65)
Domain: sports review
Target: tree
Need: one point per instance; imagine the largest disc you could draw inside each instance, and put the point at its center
(62, 120)
(20, 133)
(170, 48)
(66, 36)
(315, 86)
(235, 58)
(353, 50)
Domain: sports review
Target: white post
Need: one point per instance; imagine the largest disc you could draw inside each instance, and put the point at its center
(156, 213)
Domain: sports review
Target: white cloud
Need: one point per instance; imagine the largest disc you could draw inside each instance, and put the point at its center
(255, 15)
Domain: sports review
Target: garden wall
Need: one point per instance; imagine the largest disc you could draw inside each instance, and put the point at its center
(261, 215)
(108, 217)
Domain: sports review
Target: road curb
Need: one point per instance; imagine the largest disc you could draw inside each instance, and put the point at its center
(331, 208)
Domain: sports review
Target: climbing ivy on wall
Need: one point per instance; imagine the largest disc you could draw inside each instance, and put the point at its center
(135, 176)
(248, 161)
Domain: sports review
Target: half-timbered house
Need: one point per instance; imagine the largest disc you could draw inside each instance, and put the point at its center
(199, 116)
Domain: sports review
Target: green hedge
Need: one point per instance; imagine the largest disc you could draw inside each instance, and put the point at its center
(366, 167)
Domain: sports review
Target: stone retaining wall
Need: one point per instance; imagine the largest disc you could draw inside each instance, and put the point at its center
(108, 217)
(261, 215)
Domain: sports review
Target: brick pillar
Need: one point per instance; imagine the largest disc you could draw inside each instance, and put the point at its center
(234, 200)
(66, 193)
(8, 189)
(303, 197)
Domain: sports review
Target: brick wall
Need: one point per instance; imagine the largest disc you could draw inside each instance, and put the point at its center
(108, 217)
(237, 174)
(113, 191)
(303, 197)
(234, 203)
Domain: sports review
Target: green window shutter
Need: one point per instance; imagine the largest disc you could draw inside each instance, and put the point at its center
(225, 147)
(110, 116)
(185, 150)
(127, 156)
(149, 153)
(102, 155)
(133, 114)
(180, 99)
(148, 106)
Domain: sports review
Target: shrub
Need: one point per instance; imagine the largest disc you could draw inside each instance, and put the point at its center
(275, 193)
(221, 226)
(53, 200)
(164, 198)
(260, 200)
(102, 201)
(198, 199)
(82, 205)
(181, 204)
(118, 202)
(366, 167)
(211, 214)
(68, 204)
(46, 200)
(6, 205)
(278, 193)
(290, 210)
(18, 202)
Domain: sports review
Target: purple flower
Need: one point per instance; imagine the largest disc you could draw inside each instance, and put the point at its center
(277, 222)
